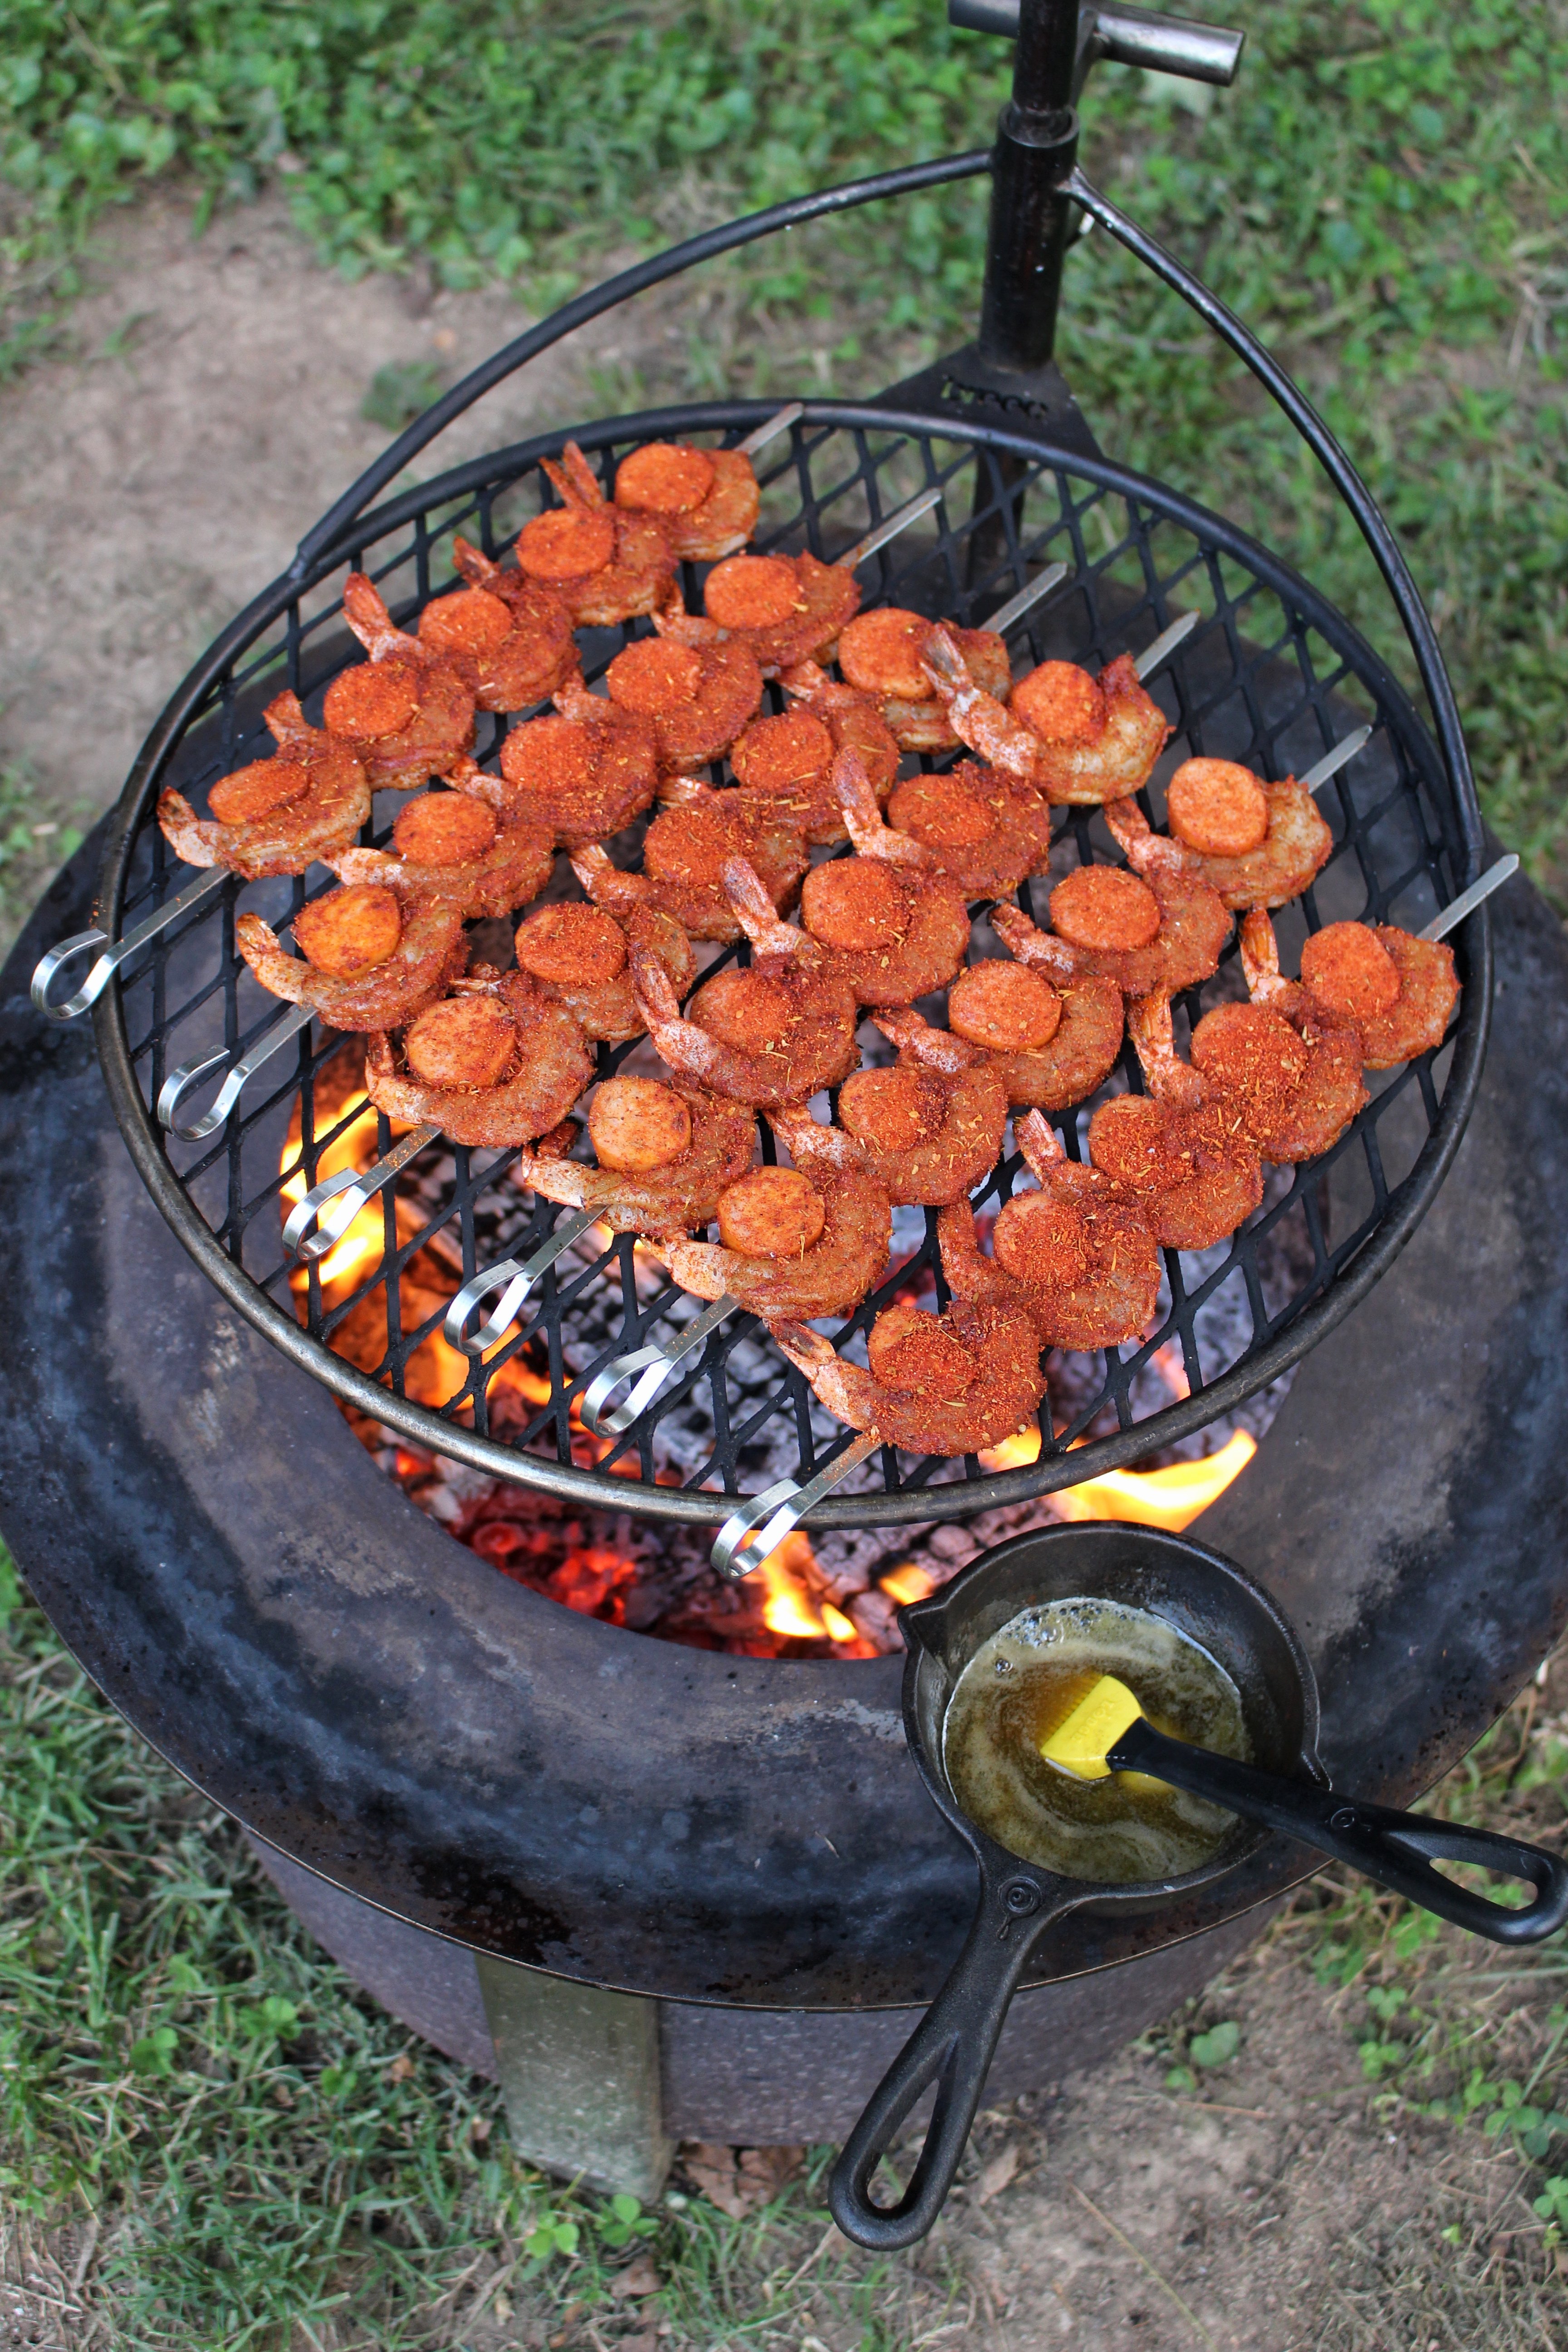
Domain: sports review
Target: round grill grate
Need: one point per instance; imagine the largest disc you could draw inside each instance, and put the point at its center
(1270, 675)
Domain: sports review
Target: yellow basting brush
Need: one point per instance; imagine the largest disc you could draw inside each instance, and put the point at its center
(1084, 1736)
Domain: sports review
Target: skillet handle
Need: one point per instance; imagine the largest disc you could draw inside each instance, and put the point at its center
(952, 2047)
(1395, 1849)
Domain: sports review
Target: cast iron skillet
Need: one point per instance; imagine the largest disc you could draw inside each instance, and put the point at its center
(1208, 1598)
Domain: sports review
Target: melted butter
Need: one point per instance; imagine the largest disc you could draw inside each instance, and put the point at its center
(1021, 1684)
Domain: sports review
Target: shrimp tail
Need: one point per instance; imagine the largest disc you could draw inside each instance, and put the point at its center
(477, 569)
(371, 624)
(1150, 1026)
(755, 911)
(1260, 960)
(843, 1388)
(286, 720)
(682, 1043)
(607, 886)
(856, 796)
(1040, 950)
(1041, 1146)
(938, 1048)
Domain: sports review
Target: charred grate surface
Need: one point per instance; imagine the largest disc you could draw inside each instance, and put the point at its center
(1272, 676)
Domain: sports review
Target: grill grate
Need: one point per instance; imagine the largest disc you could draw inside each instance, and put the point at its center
(1271, 676)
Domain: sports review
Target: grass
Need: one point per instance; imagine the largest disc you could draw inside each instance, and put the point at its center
(209, 2141)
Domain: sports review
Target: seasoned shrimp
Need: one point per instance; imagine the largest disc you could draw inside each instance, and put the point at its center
(931, 1126)
(585, 771)
(685, 853)
(1111, 749)
(945, 1384)
(769, 1035)
(783, 609)
(1215, 802)
(1159, 926)
(1078, 1255)
(449, 846)
(493, 1064)
(704, 501)
(1396, 992)
(666, 1155)
(787, 763)
(508, 638)
(1182, 1150)
(1295, 1084)
(983, 829)
(1053, 1029)
(370, 961)
(605, 562)
(406, 713)
(579, 955)
(896, 927)
(794, 1242)
(887, 653)
(277, 815)
(696, 702)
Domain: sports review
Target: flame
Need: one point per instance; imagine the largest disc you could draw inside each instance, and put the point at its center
(1014, 1453)
(789, 1610)
(838, 1627)
(909, 1582)
(355, 1147)
(1169, 1498)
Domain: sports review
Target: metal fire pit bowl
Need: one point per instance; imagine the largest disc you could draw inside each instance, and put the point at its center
(1270, 674)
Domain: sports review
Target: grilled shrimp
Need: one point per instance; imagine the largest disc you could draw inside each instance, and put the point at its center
(984, 830)
(687, 848)
(494, 1063)
(771, 1035)
(370, 959)
(277, 815)
(696, 702)
(785, 610)
(508, 668)
(704, 501)
(605, 562)
(1184, 1148)
(579, 957)
(1115, 735)
(1157, 928)
(585, 771)
(896, 927)
(1078, 1255)
(406, 713)
(1396, 992)
(887, 653)
(1294, 1074)
(1053, 1030)
(666, 1155)
(787, 763)
(449, 846)
(1217, 801)
(931, 1126)
(794, 1242)
(945, 1384)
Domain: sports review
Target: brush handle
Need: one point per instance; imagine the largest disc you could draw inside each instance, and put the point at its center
(1395, 1849)
(952, 2047)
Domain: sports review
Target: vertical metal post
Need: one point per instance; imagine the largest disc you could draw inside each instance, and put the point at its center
(579, 2070)
(1036, 145)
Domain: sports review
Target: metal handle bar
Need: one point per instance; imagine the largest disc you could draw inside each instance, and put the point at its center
(514, 1278)
(178, 1083)
(1014, 610)
(347, 1193)
(1469, 900)
(108, 962)
(781, 1508)
(655, 1364)
(1124, 36)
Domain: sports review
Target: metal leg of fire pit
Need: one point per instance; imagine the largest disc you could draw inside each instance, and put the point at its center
(579, 2070)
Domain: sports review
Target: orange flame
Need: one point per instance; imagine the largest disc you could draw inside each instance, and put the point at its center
(1169, 1498)
(909, 1582)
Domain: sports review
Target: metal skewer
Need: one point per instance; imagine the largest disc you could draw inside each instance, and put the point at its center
(1013, 612)
(1469, 900)
(655, 1365)
(514, 1278)
(737, 1552)
(108, 962)
(1164, 646)
(884, 531)
(345, 1194)
(780, 422)
(178, 1083)
(1342, 753)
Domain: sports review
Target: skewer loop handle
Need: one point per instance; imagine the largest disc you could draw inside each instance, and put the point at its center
(778, 1510)
(655, 1365)
(344, 1196)
(99, 977)
(179, 1083)
(514, 1278)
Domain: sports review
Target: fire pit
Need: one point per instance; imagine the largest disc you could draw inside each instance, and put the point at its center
(710, 1845)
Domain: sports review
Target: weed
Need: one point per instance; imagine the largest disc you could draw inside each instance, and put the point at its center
(399, 392)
